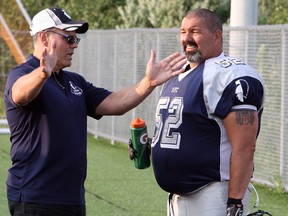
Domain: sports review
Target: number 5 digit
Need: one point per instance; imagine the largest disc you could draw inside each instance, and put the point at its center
(169, 139)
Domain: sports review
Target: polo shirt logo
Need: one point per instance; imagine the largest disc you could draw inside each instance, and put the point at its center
(75, 89)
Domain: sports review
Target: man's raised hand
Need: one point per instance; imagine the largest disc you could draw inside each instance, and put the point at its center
(159, 72)
(48, 59)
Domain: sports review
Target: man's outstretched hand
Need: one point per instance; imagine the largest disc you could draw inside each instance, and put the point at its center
(159, 72)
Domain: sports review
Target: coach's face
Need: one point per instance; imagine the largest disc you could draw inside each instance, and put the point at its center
(64, 50)
(197, 41)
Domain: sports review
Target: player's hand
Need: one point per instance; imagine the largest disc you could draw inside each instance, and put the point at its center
(159, 72)
(234, 210)
(48, 59)
(131, 150)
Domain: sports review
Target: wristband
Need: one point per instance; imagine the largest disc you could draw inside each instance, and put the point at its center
(234, 201)
(234, 207)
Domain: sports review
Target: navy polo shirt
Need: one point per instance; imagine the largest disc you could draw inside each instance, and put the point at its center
(49, 137)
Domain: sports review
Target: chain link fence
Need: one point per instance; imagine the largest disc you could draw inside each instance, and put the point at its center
(117, 58)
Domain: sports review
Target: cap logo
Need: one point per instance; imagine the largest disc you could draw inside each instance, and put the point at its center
(66, 14)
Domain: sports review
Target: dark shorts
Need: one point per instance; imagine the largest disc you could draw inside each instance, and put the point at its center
(38, 209)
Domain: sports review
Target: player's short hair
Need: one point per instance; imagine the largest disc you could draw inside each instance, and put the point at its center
(212, 21)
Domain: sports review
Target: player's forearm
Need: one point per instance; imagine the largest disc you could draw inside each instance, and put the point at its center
(134, 96)
(122, 101)
(27, 87)
(241, 171)
(241, 127)
(144, 88)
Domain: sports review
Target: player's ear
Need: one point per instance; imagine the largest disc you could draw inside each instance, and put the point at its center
(218, 35)
(43, 37)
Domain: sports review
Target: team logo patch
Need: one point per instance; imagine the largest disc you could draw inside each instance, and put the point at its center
(242, 89)
(75, 89)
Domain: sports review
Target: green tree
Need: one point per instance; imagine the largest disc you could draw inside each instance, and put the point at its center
(220, 7)
(133, 16)
(166, 13)
(100, 14)
(111, 14)
(273, 12)
(151, 13)
(34, 6)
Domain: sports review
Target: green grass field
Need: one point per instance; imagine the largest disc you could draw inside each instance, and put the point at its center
(115, 188)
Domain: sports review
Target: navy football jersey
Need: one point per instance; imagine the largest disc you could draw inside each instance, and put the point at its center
(190, 147)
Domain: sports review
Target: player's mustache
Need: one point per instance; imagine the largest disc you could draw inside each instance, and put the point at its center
(190, 43)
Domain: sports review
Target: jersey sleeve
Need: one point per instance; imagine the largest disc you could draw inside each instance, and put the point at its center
(13, 76)
(229, 85)
(241, 93)
(93, 96)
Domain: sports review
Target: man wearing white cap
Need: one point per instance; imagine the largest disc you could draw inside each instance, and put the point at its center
(47, 109)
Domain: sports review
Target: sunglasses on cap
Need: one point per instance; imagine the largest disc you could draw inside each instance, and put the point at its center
(70, 39)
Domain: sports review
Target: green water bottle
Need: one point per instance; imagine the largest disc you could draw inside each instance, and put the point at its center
(139, 137)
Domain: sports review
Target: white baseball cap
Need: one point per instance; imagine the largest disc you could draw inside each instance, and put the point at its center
(57, 18)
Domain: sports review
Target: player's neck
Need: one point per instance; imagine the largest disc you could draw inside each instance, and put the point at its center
(192, 65)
